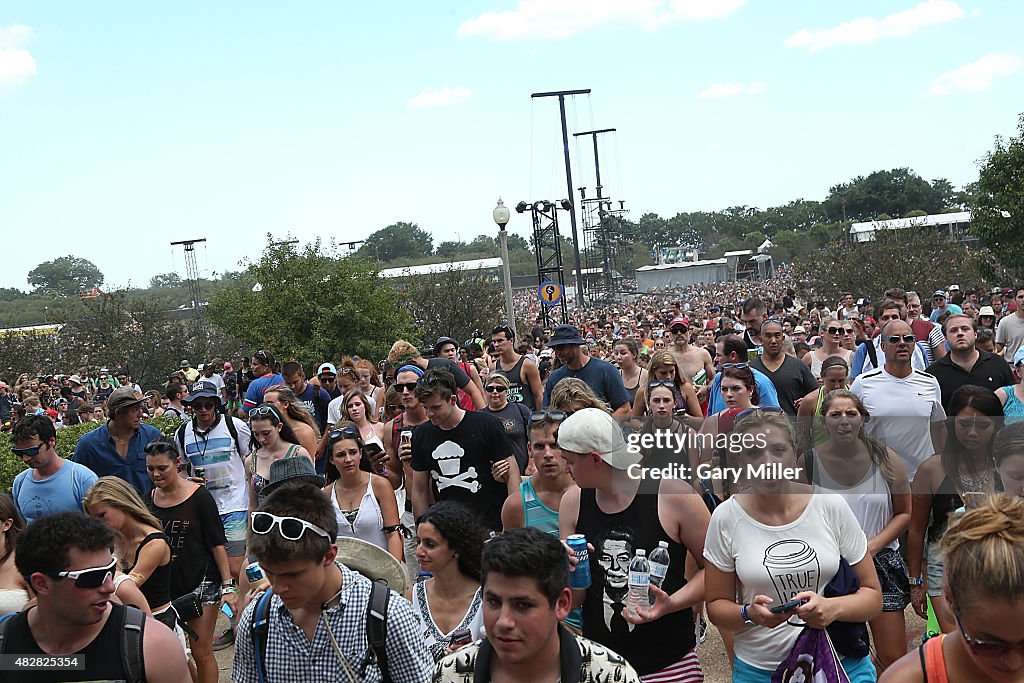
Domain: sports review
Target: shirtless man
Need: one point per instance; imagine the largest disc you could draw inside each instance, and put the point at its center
(695, 361)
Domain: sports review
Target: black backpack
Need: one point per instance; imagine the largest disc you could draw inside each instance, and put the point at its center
(133, 622)
(376, 631)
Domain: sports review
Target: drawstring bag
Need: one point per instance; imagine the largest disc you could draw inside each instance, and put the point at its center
(812, 660)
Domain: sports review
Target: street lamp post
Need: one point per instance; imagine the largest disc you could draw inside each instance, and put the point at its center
(501, 216)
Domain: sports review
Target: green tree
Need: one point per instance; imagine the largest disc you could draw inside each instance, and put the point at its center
(914, 258)
(452, 303)
(997, 207)
(11, 294)
(397, 241)
(449, 249)
(312, 305)
(166, 280)
(894, 193)
(65, 276)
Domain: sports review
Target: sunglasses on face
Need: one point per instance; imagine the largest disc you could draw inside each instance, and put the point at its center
(553, 415)
(29, 452)
(290, 528)
(494, 389)
(834, 330)
(403, 386)
(897, 338)
(88, 578)
(327, 379)
(738, 366)
(986, 648)
(204, 405)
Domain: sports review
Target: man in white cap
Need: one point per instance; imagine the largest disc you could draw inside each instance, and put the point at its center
(607, 506)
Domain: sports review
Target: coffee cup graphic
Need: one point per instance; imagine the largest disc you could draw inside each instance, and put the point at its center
(793, 568)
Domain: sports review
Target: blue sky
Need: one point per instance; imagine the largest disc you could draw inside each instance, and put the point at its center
(126, 125)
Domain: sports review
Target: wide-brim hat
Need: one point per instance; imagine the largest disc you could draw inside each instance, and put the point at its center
(986, 310)
(373, 562)
(564, 335)
(203, 390)
(122, 397)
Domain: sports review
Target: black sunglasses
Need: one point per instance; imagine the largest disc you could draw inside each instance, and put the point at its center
(88, 578)
(494, 388)
(29, 452)
(834, 330)
(402, 386)
(553, 415)
(343, 433)
(157, 447)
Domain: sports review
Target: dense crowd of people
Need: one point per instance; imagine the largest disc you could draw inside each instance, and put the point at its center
(568, 502)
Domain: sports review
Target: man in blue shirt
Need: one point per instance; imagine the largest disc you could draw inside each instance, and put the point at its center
(599, 375)
(116, 448)
(940, 306)
(733, 350)
(50, 484)
(266, 377)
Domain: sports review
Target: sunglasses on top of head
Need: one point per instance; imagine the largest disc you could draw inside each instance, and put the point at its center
(88, 578)
(343, 433)
(553, 415)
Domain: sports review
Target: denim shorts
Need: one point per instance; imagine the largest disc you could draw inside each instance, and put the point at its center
(935, 570)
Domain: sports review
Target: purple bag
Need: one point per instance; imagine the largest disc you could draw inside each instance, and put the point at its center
(813, 659)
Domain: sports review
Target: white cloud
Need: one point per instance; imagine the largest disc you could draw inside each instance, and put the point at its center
(17, 35)
(977, 76)
(722, 90)
(439, 98)
(16, 64)
(552, 19)
(870, 30)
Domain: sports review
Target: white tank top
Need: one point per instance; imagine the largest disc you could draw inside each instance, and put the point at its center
(870, 499)
(369, 522)
(816, 364)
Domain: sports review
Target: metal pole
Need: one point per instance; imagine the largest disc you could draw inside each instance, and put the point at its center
(568, 184)
(510, 315)
(572, 208)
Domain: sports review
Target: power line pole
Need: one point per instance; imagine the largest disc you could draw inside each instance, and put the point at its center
(191, 269)
(560, 94)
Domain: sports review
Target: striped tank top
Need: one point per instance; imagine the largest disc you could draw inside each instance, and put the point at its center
(535, 513)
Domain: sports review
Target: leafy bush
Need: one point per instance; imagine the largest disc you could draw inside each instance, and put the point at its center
(67, 439)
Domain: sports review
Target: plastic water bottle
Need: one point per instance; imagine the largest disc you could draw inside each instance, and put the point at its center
(639, 582)
(659, 565)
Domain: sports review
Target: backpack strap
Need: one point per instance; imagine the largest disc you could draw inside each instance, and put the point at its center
(229, 422)
(377, 626)
(869, 346)
(5, 621)
(260, 633)
(181, 439)
(133, 623)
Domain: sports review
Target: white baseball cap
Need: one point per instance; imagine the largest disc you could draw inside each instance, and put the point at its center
(592, 430)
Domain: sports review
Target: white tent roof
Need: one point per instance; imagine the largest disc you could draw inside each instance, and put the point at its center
(685, 264)
(473, 264)
(915, 222)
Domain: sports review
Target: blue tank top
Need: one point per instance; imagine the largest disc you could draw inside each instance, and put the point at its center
(1013, 409)
(539, 516)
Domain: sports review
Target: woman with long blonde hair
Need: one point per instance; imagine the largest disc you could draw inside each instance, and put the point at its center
(142, 548)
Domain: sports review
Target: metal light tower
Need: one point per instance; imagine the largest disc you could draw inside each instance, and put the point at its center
(191, 269)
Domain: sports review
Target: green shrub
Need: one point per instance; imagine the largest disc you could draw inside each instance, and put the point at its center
(67, 438)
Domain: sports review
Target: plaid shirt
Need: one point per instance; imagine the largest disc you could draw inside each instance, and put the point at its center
(292, 658)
